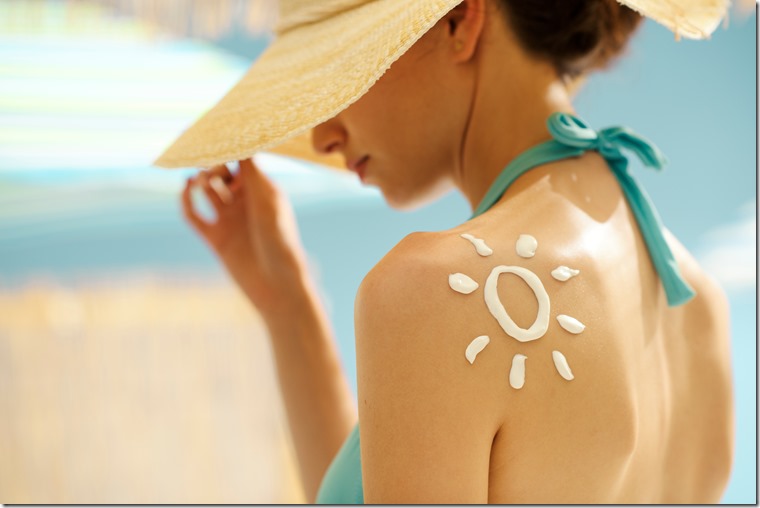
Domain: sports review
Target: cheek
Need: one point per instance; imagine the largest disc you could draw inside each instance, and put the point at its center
(417, 151)
(430, 127)
(403, 111)
(405, 124)
(417, 133)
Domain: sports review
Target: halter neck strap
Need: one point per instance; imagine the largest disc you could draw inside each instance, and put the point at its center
(572, 137)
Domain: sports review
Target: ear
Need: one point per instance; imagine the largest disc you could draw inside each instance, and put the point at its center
(465, 24)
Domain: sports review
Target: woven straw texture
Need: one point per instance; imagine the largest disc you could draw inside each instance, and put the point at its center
(695, 19)
(307, 76)
(326, 55)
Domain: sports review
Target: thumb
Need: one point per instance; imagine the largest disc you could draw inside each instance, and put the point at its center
(254, 180)
(249, 168)
(261, 191)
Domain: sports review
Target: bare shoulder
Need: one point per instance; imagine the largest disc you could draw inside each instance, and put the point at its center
(406, 302)
(425, 417)
(708, 312)
(434, 395)
(408, 309)
(434, 362)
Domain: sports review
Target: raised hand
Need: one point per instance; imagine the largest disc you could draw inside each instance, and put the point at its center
(255, 234)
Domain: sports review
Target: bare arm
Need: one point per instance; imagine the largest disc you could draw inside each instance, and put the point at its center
(320, 408)
(427, 423)
(256, 238)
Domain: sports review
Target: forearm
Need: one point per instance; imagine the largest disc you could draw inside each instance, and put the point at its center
(320, 407)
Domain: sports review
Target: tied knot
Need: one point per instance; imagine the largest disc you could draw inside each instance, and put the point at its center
(570, 130)
(572, 137)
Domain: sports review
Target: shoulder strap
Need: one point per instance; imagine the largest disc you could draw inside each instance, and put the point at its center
(572, 137)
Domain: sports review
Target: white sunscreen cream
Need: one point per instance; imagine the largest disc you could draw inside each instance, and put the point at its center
(517, 372)
(570, 324)
(475, 347)
(480, 245)
(563, 273)
(526, 246)
(540, 325)
(461, 283)
(560, 362)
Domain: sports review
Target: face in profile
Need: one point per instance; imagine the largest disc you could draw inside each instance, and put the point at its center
(409, 125)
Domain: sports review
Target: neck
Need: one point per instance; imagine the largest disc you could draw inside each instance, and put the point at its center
(508, 116)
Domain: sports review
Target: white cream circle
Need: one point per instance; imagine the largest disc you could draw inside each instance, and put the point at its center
(540, 325)
(526, 246)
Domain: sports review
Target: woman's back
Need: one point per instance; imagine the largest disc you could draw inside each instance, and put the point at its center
(645, 418)
(453, 94)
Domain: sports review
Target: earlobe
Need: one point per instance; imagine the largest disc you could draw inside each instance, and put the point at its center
(466, 22)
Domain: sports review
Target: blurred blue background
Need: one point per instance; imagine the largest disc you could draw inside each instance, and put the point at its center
(83, 114)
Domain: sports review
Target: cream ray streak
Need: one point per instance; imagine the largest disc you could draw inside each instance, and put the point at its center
(560, 362)
(475, 347)
(570, 324)
(517, 372)
(461, 283)
(480, 244)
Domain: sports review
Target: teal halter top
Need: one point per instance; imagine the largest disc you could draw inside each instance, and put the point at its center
(342, 483)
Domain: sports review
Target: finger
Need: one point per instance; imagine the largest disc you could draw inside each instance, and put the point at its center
(222, 171)
(260, 193)
(189, 211)
(211, 193)
(254, 180)
(235, 186)
(249, 167)
(216, 182)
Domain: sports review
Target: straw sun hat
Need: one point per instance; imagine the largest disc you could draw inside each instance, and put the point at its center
(326, 54)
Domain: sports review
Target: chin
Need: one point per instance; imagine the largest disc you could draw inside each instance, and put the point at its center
(405, 206)
(414, 201)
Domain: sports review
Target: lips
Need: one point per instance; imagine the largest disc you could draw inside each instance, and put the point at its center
(357, 165)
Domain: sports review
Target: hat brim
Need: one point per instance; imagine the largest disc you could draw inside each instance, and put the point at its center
(305, 77)
(695, 19)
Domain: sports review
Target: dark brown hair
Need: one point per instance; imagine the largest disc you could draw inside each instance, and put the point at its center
(576, 36)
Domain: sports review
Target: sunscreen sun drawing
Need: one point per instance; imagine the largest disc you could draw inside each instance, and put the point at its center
(526, 247)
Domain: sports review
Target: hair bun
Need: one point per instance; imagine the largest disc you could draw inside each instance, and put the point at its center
(617, 23)
(575, 35)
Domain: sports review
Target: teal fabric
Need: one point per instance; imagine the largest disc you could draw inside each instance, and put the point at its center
(572, 137)
(342, 483)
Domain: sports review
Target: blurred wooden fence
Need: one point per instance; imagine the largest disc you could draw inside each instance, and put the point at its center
(139, 390)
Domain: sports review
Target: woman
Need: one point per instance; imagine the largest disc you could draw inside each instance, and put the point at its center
(598, 369)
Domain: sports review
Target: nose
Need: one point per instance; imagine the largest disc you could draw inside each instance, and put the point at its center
(328, 136)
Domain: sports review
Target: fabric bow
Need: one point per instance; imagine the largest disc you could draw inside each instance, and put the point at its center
(570, 130)
(572, 137)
